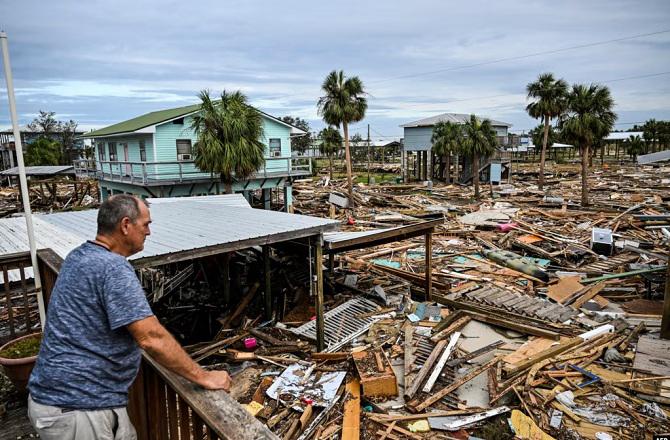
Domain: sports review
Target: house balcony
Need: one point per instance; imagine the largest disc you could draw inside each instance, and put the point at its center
(174, 172)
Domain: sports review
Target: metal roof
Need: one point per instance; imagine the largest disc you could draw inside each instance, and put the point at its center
(623, 135)
(335, 242)
(40, 170)
(182, 228)
(659, 156)
(456, 118)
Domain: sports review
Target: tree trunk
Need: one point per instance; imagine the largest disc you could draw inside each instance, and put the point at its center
(347, 157)
(540, 182)
(475, 174)
(330, 159)
(448, 169)
(585, 169)
(602, 155)
(228, 186)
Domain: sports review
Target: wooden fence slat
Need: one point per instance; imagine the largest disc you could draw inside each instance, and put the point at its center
(26, 303)
(184, 420)
(172, 414)
(8, 300)
(198, 427)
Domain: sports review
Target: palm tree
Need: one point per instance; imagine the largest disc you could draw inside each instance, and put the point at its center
(549, 96)
(343, 102)
(590, 117)
(650, 134)
(634, 146)
(446, 140)
(331, 143)
(479, 140)
(229, 135)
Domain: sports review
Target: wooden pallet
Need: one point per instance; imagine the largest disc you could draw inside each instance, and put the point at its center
(609, 265)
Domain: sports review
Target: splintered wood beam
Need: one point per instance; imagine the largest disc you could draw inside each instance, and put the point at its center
(351, 421)
(403, 431)
(416, 406)
(588, 294)
(550, 352)
(425, 369)
(429, 266)
(409, 359)
(440, 364)
(456, 325)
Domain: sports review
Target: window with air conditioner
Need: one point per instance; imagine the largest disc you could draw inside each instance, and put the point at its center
(275, 147)
(184, 149)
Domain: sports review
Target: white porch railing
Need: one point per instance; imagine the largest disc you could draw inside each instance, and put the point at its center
(144, 173)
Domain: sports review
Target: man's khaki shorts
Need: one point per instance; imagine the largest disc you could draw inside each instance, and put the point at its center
(53, 423)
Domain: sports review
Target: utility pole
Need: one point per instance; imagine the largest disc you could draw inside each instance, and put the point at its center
(368, 154)
(25, 195)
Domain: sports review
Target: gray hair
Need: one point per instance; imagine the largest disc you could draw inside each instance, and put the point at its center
(115, 208)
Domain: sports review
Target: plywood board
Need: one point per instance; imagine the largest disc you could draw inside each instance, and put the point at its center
(653, 355)
(530, 348)
(564, 289)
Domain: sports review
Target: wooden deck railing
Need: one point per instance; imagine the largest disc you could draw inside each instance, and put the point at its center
(162, 405)
(19, 315)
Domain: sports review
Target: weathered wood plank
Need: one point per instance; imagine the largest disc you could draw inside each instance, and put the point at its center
(217, 409)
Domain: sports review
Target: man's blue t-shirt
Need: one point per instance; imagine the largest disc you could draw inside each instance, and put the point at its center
(88, 359)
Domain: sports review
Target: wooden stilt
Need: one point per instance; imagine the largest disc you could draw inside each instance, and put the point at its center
(226, 278)
(268, 285)
(665, 322)
(318, 267)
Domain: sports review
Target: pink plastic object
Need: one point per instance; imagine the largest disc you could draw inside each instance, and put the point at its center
(250, 343)
(506, 227)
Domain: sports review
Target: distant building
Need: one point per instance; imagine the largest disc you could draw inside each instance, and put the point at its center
(28, 136)
(417, 146)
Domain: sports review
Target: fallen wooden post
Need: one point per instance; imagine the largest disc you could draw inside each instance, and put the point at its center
(416, 407)
(418, 380)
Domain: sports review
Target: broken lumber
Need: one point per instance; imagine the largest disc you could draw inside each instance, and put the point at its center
(416, 407)
(352, 411)
(425, 369)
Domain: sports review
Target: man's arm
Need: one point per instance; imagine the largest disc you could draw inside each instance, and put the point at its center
(153, 338)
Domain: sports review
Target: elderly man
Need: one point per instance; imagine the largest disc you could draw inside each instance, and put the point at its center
(97, 322)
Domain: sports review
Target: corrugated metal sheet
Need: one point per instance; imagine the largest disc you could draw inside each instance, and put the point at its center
(40, 170)
(179, 224)
(659, 156)
(236, 200)
(334, 237)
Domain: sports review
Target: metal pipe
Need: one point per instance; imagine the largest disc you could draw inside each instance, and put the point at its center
(25, 196)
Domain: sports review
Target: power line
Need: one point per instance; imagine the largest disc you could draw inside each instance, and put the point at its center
(519, 57)
(515, 94)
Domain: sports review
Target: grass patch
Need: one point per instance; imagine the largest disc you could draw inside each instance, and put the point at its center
(24, 348)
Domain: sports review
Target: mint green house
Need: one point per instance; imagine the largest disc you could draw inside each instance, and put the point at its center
(152, 156)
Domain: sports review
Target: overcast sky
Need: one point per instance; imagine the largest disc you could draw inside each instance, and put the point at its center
(101, 62)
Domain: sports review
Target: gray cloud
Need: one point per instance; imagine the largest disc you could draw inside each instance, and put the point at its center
(101, 62)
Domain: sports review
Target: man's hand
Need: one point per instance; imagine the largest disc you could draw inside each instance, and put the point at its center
(153, 338)
(215, 380)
